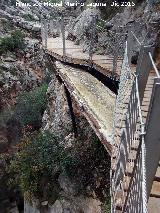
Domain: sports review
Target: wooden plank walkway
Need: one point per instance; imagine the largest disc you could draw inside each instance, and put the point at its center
(96, 100)
(76, 55)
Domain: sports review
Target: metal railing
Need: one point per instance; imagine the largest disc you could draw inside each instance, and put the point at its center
(126, 164)
(132, 170)
(136, 196)
(49, 29)
(52, 28)
(128, 175)
(115, 44)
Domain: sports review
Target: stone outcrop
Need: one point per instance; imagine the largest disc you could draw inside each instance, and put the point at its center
(57, 118)
(70, 202)
(77, 205)
(80, 28)
(19, 73)
(140, 19)
(20, 70)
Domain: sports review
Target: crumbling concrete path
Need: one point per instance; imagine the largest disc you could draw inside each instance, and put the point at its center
(96, 100)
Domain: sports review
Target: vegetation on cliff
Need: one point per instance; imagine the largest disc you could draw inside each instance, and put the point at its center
(41, 158)
(13, 42)
(24, 117)
(30, 106)
(36, 165)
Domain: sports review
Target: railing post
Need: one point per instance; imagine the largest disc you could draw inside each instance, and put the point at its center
(42, 31)
(144, 186)
(93, 24)
(143, 68)
(45, 33)
(115, 58)
(51, 27)
(58, 25)
(129, 44)
(63, 36)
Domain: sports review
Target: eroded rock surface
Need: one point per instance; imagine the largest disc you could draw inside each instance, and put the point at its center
(57, 118)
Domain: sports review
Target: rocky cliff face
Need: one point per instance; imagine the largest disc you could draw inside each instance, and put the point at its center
(110, 35)
(20, 73)
(27, 17)
(23, 69)
(81, 27)
(57, 118)
(20, 70)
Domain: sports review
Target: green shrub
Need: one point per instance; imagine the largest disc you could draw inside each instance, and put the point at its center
(101, 23)
(5, 115)
(6, 25)
(41, 158)
(28, 17)
(107, 206)
(37, 165)
(12, 43)
(30, 106)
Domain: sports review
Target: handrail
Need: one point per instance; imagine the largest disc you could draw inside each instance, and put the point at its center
(143, 149)
(139, 167)
(154, 66)
(136, 38)
(140, 43)
(138, 99)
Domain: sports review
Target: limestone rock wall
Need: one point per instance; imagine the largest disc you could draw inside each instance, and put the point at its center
(57, 116)
(142, 20)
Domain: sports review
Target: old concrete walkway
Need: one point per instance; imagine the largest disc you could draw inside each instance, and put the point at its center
(95, 99)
